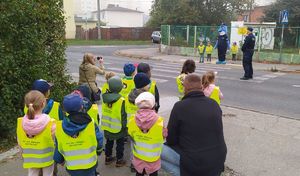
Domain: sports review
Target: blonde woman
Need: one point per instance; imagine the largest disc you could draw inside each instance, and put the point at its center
(88, 72)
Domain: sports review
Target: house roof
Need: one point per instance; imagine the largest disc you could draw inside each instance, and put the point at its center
(117, 8)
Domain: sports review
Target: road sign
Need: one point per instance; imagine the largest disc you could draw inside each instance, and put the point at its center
(284, 17)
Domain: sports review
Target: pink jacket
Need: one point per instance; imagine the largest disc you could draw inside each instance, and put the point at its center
(208, 90)
(37, 125)
(145, 119)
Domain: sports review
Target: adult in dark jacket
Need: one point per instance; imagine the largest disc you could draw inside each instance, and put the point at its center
(248, 51)
(195, 134)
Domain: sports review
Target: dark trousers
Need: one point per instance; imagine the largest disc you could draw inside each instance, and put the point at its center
(119, 149)
(247, 64)
(152, 174)
(222, 54)
(234, 57)
(208, 57)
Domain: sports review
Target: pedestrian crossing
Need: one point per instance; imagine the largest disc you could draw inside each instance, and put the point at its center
(164, 72)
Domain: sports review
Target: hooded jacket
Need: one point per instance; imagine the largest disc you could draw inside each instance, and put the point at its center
(88, 74)
(208, 90)
(111, 98)
(136, 92)
(72, 125)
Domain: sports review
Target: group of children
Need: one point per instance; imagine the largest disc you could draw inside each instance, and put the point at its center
(49, 136)
(208, 49)
(72, 136)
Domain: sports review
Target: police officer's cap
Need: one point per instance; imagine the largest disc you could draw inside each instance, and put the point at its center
(250, 29)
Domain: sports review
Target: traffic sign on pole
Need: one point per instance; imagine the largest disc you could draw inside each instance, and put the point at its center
(285, 17)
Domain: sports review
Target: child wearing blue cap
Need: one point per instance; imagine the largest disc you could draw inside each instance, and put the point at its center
(128, 83)
(78, 139)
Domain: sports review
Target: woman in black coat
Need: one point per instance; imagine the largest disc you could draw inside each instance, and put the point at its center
(195, 132)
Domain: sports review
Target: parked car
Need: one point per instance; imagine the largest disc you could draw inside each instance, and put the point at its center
(156, 37)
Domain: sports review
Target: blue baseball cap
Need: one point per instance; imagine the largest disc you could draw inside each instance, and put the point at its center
(72, 103)
(41, 85)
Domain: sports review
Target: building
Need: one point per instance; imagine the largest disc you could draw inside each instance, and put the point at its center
(85, 23)
(83, 7)
(254, 15)
(69, 17)
(116, 16)
(140, 5)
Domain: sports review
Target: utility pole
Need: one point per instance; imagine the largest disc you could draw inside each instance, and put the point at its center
(250, 9)
(99, 21)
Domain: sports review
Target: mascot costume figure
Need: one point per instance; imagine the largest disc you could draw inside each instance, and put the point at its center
(222, 44)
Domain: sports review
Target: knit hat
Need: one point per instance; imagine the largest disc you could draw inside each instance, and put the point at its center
(41, 85)
(85, 91)
(143, 68)
(72, 103)
(128, 69)
(141, 80)
(250, 29)
(115, 84)
(145, 100)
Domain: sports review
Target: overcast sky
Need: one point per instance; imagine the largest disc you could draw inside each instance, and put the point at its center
(264, 2)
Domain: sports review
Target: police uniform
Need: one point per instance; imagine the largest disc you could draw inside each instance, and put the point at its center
(248, 51)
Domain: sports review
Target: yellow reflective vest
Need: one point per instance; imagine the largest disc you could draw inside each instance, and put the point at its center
(209, 49)
(179, 81)
(128, 85)
(54, 112)
(104, 88)
(130, 107)
(152, 87)
(147, 146)
(215, 95)
(234, 49)
(93, 113)
(38, 151)
(111, 120)
(201, 49)
(79, 152)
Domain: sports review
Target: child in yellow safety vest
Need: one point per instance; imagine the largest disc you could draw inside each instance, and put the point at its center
(114, 121)
(78, 139)
(201, 50)
(209, 50)
(35, 132)
(128, 83)
(209, 87)
(234, 51)
(188, 67)
(108, 75)
(147, 132)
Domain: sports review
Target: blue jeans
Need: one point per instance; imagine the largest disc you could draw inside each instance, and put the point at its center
(170, 161)
(201, 58)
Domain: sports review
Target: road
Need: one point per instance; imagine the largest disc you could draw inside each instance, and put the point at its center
(268, 92)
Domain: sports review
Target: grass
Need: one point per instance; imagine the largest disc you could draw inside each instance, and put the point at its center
(107, 42)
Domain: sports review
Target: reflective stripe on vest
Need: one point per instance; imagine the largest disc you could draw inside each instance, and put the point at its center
(111, 116)
(54, 112)
(215, 95)
(93, 113)
(147, 146)
(79, 152)
(152, 87)
(37, 151)
(128, 85)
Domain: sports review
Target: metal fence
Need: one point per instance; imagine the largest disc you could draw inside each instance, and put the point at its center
(267, 38)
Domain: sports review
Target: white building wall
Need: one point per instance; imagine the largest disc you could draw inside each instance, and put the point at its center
(122, 19)
(140, 5)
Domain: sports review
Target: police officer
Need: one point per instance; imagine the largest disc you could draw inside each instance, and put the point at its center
(248, 51)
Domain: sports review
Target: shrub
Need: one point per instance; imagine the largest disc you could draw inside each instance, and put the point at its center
(32, 46)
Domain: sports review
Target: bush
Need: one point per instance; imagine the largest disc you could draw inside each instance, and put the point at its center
(32, 46)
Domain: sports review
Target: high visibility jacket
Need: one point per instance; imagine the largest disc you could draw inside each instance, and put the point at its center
(209, 49)
(152, 87)
(234, 49)
(201, 49)
(111, 120)
(93, 113)
(37, 151)
(54, 112)
(179, 81)
(130, 108)
(128, 85)
(105, 88)
(215, 95)
(79, 152)
(147, 146)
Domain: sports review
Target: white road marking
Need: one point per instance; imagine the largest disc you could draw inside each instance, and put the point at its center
(298, 86)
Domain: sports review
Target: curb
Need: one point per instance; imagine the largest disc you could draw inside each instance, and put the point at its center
(9, 154)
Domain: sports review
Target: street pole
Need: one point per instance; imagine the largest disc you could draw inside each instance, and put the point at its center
(99, 21)
(281, 43)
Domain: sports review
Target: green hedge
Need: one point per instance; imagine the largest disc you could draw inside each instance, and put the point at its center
(32, 46)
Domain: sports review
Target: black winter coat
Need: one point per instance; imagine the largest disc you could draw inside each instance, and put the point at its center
(195, 131)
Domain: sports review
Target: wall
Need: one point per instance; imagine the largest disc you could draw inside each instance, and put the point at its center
(88, 25)
(123, 19)
(70, 21)
(261, 57)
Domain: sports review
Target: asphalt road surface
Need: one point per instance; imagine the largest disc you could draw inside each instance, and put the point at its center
(272, 93)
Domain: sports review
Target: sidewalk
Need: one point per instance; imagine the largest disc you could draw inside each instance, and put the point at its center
(258, 145)
(154, 54)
